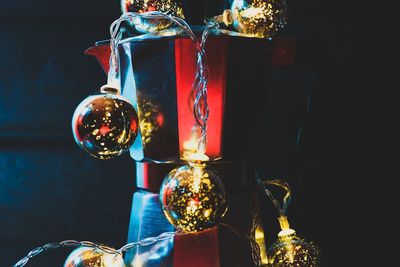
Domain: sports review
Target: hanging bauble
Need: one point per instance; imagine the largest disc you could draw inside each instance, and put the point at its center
(144, 25)
(259, 18)
(93, 257)
(193, 197)
(105, 125)
(292, 251)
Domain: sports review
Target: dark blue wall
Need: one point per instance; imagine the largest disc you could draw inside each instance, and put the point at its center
(49, 189)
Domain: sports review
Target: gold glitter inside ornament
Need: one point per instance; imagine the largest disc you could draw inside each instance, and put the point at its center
(171, 7)
(193, 197)
(105, 125)
(259, 18)
(93, 257)
(292, 251)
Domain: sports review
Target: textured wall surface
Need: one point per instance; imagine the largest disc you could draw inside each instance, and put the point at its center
(50, 190)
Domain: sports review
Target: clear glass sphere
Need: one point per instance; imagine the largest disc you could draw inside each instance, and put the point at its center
(93, 257)
(260, 18)
(173, 7)
(193, 197)
(294, 252)
(105, 125)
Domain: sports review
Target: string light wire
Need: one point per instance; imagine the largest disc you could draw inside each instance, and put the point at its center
(201, 115)
(73, 243)
(199, 87)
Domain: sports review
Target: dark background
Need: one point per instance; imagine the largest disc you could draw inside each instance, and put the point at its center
(51, 191)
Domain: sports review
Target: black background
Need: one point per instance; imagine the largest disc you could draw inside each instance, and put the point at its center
(51, 191)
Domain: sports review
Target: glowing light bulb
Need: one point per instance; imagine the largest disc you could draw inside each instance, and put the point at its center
(260, 239)
(257, 18)
(193, 197)
(172, 7)
(192, 151)
(93, 257)
(260, 18)
(105, 125)
(290, 250)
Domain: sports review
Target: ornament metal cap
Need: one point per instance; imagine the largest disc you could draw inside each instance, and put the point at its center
(226, 18)
(109, 89)
(286, 234)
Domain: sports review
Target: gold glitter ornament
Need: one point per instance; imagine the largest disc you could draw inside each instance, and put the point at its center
(171, 7)
(290, 250)
(193, 197)
(105, 125)
(259, 18)
(93, 257)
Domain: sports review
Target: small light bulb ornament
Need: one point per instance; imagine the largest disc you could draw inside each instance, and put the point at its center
(257, 18)
(148, 25)
(93, 257)
(192, 196)
(289, 250)
(105, 124)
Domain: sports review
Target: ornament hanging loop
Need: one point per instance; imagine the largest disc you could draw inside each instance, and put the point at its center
(113, 72)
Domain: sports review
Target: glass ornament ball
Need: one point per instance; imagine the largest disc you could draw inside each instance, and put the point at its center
(193, 197)
(144, 25)
(105, 125)
(93, 257)
(292, 251)
(259, 18)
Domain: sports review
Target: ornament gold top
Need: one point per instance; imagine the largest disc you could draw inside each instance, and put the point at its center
(257, 18)
(172, 7)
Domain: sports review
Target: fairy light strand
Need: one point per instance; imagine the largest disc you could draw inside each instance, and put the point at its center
(286, 199)
(200, 106)
(73, 243)
(201, 114)
(201, 109)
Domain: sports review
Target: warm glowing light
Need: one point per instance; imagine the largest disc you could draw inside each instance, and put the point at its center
(289, 250)
(191, 150)
(193, 197)
(197, 175)
(104, 125)
(286, 232)
(255, 12)
(260, 239)
(87, 256)
(173, 7)
(259, 18)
